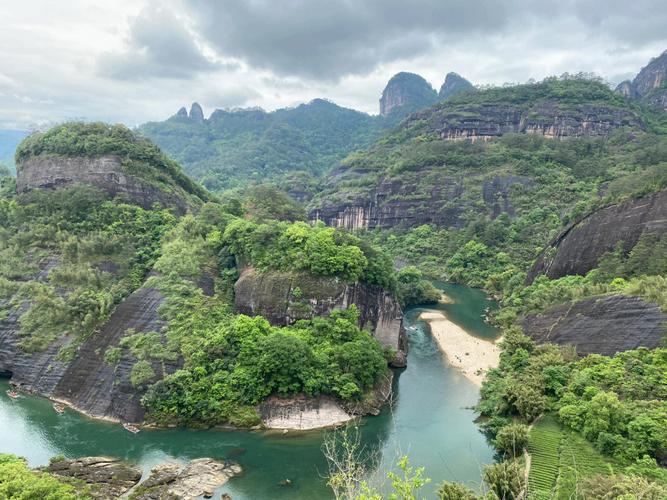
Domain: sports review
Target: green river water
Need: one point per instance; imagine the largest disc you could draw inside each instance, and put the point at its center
(429, 421)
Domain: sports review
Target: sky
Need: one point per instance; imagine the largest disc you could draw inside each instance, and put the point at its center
(133, 61)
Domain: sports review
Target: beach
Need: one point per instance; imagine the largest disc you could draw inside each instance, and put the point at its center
(472, 356)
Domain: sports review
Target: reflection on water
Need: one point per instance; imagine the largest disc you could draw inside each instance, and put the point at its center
(429, 420)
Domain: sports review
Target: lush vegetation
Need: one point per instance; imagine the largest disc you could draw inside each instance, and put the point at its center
(139, 156)
(619, 403)
(233, 362)
(234, 148)
(18, 482)
(73, 258)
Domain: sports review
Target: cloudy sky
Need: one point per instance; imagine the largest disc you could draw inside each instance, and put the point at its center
(133, 61)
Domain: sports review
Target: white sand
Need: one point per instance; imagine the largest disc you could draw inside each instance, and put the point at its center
(472, 356)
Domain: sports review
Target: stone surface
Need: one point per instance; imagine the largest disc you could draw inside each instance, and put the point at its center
(304, 413)
(274, 295)
(407, 91)
(107, 477)
(578, 248)
(650, 84)
(603, 325)
(454, 84)
(543, 117)
(105, 172)
(200, 477)
(196, 113)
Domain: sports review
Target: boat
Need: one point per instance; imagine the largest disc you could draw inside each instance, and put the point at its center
(12, 394)
(60, 409)
(131, 428)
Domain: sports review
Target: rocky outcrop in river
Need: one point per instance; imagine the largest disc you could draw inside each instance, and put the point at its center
(106, 477)
(104, 172)
(283, 298)
(602, 325)
(578, 248)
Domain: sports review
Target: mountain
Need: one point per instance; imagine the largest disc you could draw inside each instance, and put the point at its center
(122, 281)
(650, 84)
(405, 93)
(234, 148)
(454, 84)
(479, 151)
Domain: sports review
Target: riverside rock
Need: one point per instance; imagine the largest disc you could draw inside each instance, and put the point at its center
(283, 298)
(106, 477)
(600, 325)
(200, 477)
(579, 247)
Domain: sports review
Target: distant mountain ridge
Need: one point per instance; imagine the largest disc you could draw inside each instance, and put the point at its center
(650, 84)
(233, 148)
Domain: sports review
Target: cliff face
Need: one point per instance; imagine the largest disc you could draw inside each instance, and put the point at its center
(650, 84)
(392, 203)
(545, 117)
(284, 298)
(104, 172)
(87, 382)
(600, 325)
(406, 92)
(578, 248)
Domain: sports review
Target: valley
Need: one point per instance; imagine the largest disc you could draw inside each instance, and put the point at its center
(459, 297)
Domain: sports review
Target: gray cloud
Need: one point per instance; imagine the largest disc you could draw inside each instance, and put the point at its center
(328, 39)
(158, 45)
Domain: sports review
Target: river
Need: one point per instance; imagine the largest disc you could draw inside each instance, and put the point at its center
(429, 420)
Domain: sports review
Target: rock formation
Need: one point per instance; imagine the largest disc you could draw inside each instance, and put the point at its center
(104, 172)
(106, 477)
(603, 325)
(454, 84)
(199, 478)
(182, 113)
(284, 298)
(650, 84)
(386, 206)
(404, 93)
(547, 118)
(578, 248)
(196, 113)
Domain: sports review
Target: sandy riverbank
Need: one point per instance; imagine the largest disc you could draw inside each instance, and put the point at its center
(472, 356)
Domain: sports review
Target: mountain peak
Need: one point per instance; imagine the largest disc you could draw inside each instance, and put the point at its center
(407, 91)
(182, 113)
(454, 84)
(196, 113)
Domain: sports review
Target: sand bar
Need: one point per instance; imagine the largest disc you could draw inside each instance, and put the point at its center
(470, 355)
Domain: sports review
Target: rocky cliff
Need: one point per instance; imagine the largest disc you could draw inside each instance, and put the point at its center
(578, 248)
(545, 117)
(105, 172)
(650, 84)
(86, 382)
(400, 202)
(284, 298)
(454, 84)
(196, 113)
(603, 325)
(404, 93)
